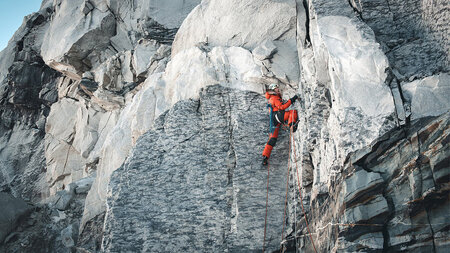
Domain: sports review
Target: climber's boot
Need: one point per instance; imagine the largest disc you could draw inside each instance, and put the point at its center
(294, 126)
(265, 160)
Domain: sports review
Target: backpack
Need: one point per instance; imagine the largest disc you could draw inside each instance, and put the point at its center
(272, 126)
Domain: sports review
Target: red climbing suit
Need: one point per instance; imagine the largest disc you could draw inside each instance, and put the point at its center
(279, 114)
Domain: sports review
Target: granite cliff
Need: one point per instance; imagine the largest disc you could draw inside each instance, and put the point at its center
(138, 126)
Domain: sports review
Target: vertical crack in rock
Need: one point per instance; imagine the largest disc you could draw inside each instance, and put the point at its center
(421, 159)
(355, 9)
(307, 24)
(390, 216)
(302, 31)
(231, 164)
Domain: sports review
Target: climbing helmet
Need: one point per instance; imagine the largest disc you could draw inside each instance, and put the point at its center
(273, 86)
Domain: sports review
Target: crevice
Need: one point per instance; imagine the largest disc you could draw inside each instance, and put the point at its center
(231, 167)
(283, 33)
(432, 232)
(388, 5)
(391, 215)
(307, 25)
(419, 161)
(188, 138)
(232, 153)
(107, 121)
(355, 9)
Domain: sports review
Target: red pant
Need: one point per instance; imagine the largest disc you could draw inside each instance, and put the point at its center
(289, 116)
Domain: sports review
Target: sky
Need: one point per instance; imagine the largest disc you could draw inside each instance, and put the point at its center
(11, 16)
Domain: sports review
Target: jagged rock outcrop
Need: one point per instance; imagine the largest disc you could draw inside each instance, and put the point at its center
(27, 90)
(395, 198)
(336, 174)
(141, 123)
(96, 30)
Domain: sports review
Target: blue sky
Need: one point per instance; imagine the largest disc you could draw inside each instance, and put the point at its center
(11, 16)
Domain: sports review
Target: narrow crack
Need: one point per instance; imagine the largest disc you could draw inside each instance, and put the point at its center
(232, 152)
(432, 232)
(307, 37)
(391, 215)
(355, 9)
(419, 166)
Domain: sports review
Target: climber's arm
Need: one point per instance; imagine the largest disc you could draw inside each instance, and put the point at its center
(276, 103)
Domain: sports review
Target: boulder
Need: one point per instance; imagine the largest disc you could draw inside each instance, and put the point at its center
(69, 235)
(63, 199)
(264, 51)
(83, 185)
(91, 32)
(428, 96)
(80, 33)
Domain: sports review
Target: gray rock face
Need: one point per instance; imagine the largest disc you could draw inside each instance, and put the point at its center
(372, 144)
(96, 30)
(13, 209)
(414, 33)
(218, 24)
(195, 182)
(404, 203)
(27, 89)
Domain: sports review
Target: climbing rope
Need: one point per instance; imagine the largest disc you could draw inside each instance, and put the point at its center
(287, 189)
(291, 140)
(301, 202)
(267, 204)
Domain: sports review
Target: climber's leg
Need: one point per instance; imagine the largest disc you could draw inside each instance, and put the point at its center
(271, 143)
(292, 118)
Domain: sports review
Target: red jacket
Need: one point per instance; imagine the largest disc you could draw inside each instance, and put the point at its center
(276, 102)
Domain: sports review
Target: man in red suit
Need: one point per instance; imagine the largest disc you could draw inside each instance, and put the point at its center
(279, 116)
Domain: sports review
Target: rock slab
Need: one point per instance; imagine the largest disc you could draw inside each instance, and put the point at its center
(195, 182)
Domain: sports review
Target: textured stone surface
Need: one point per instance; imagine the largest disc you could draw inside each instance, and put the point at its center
(347, 102)
(13, 209)
(27, 89)
(360, 182)
(218, 24)
(361, 68)
(264, 50)
(92, 31)
(197, 177)
(232, 67)
(428, 96)
(406, 210)
(414, 33)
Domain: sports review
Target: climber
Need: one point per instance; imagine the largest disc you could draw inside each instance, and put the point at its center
(278, 115)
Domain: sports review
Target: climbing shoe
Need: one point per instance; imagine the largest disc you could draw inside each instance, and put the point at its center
(265, 160)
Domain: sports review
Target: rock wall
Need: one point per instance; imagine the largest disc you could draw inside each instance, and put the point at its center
(198, 176)
(138, 125)
(367, 173)
(394, 198)
(27, 91)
